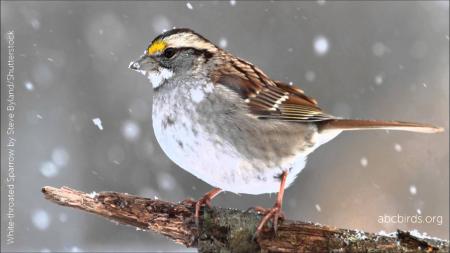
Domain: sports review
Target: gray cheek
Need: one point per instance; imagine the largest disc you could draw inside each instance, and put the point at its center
(183, 63)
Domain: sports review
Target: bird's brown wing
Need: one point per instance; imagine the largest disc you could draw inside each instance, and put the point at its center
(294, 105)
(268, 99)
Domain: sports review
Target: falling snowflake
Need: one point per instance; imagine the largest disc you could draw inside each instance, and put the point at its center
(189, 5)
(318, 208)
(98, 123)
(321, 45)
(364, 162)
(130, 130)
(379, 49)
(29, 86)
(379, 79)
(412, 189)
(223, 43)
(49, 169)
(166, 182)
(41, 219)
(232, 2)
(35, 23)
(398, 147)
(60, 157)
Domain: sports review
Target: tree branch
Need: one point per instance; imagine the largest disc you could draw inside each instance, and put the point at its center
(233, 230)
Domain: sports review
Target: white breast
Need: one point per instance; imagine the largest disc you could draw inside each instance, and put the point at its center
(197, 149)
(188, 144)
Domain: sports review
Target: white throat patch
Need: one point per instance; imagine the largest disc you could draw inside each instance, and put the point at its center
(157, 77)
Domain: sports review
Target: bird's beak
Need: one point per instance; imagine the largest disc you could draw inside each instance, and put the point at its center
(144, 64)
(149, 67)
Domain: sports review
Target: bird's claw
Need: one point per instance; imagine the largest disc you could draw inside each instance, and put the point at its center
(275, 213)
(204, 201)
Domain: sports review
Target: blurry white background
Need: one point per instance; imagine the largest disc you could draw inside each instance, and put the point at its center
(383, 60)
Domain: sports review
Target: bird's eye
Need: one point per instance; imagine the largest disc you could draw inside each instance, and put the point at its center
(169, 52)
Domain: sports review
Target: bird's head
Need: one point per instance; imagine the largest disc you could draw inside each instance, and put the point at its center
(174, 53)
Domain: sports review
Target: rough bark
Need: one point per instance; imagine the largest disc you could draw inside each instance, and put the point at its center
(229, 230)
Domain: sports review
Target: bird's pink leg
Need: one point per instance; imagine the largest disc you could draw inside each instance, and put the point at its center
(275, 212)
(205, 200)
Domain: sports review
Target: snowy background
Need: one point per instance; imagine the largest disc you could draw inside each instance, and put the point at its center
(365, 60)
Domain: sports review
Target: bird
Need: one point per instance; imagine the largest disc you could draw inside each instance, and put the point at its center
(225, 121)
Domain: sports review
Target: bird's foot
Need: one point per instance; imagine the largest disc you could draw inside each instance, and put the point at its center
(203, 201)
(275, 213)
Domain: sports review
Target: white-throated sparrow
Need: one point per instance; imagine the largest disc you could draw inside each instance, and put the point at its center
(225, 121)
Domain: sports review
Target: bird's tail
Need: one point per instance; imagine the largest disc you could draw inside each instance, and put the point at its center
(355, 124)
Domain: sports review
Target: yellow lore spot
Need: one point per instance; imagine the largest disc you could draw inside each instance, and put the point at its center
(156, 47)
